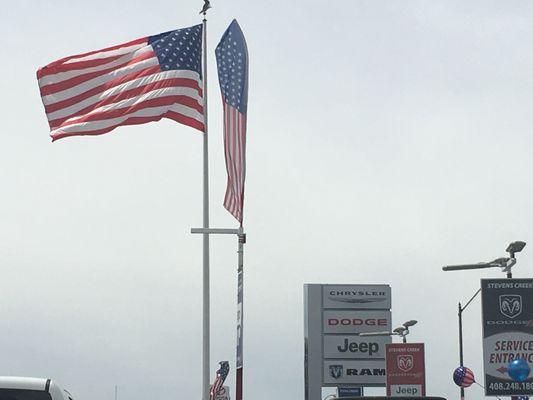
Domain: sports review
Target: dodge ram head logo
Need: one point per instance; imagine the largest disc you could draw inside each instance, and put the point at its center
(511, 305)
(405, 362)
(335, 371)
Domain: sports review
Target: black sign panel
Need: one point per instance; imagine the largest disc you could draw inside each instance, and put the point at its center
(507, 333)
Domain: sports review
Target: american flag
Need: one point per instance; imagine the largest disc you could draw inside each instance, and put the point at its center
(232, 61)
(222, 373)
(132, 83)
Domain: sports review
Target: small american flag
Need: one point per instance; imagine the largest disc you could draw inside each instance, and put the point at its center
(232, 61)
(222, 373)
(132, 83)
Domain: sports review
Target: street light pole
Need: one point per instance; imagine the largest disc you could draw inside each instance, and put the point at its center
(401, 331)
(460, 315)
(505, 263)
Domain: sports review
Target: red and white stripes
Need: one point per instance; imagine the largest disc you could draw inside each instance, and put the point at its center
(95, 92)
(235, 151)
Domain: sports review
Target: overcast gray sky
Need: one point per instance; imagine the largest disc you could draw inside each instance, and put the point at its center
(386, 139)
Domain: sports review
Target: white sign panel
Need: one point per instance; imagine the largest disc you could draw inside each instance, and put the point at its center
(356, 321)
(373, 297)
(360, 372)
(406, 390)
(351, 346)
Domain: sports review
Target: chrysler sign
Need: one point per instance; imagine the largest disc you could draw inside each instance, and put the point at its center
(357, 296)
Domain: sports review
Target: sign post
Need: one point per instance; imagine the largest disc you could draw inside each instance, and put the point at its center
(507, 333)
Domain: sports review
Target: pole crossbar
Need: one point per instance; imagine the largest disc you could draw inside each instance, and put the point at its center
(220, 231)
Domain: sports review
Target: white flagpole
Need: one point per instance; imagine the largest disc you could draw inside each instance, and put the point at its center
(206, 299)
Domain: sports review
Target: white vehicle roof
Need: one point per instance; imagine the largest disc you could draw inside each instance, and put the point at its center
(41, 384)
(18, 382)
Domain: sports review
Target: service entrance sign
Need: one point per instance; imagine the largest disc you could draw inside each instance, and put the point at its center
(507, 333)
(406, 371)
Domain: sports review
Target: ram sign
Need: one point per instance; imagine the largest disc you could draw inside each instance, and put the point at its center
(507, 333)
(334, 354)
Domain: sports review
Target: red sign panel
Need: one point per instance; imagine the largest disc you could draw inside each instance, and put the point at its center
(406, 371)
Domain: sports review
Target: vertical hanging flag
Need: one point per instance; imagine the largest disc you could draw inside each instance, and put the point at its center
(132, 83)
(222, 374)
(232, 63)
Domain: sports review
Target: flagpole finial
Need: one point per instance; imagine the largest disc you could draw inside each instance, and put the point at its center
(207, 6)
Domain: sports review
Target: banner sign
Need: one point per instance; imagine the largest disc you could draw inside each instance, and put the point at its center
(507, 333)
(406, 371)
(239, 320)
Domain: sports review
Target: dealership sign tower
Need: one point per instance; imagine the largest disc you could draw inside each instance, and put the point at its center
(334, 355)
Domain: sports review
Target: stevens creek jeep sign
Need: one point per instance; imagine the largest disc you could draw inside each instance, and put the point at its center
(406, 371)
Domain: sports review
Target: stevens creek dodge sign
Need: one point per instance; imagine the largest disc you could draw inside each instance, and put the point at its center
(507, 333)
(406, 371)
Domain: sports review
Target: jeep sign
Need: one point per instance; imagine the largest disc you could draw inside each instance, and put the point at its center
(351, 346)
